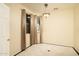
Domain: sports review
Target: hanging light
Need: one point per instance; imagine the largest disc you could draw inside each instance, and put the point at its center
(46, 14)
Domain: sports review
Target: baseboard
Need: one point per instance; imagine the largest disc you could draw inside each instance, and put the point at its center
(21, 51)
(57, 44)
(18, 52)
(76, 50)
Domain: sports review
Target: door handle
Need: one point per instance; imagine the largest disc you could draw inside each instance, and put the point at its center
(8, 39)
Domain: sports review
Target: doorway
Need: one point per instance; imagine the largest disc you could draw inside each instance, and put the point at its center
(30, 30)
(4, 30)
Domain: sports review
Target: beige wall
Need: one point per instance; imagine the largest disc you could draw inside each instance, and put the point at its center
(76, 39)
(15, 27)
(58, 28)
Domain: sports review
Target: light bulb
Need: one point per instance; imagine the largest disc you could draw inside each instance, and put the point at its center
(46, 14)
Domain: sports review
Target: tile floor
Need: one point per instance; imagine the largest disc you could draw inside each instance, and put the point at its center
(48, 50)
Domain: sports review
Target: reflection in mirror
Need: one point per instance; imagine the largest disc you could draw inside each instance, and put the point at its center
(28, 18)
(37, 24)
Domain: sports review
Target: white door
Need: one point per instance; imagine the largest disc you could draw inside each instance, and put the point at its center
(4, 30)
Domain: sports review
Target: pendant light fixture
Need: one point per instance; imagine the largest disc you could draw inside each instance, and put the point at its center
(46, 14)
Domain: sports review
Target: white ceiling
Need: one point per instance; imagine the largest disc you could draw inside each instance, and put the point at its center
(39, 7)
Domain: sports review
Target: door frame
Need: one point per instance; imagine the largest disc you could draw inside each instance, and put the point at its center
(32, 31)
(23, 27)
